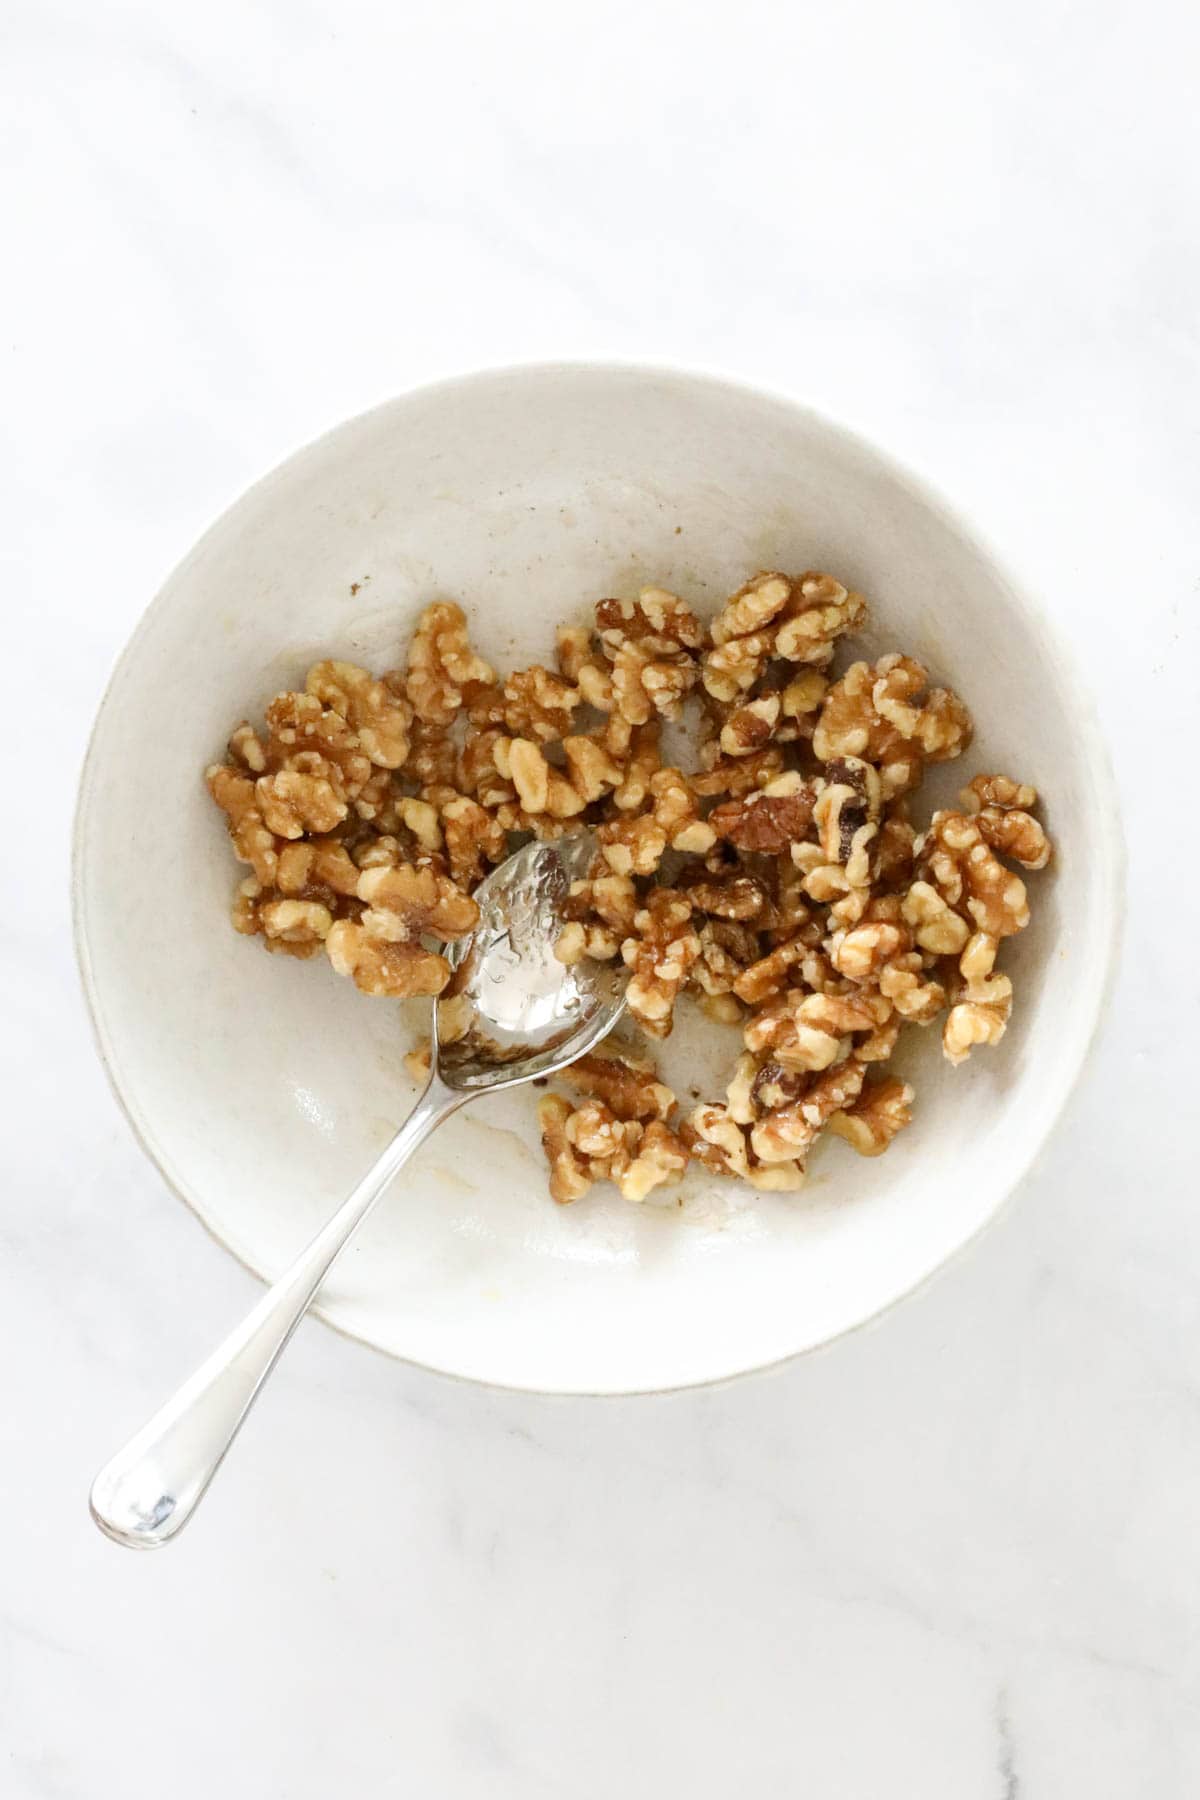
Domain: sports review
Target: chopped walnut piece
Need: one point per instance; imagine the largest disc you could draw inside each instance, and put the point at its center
(936, 927)
(787, 1135)
(635, 844)
(305, 797)
(532, 703)
(914, 994)
(725, 949)
(751, 726)
(882, 1109)
(600, 912)
(246, 748)
(405, 902)
(380, 718)
(583, 667)
(981, 1001)
(541, 788)
(769, 820)
(237, 797)
(940, 724)
(624, 1081)
(659, 1159)
(305, 733)
(775, 616)
(1003, 811)
(474, 839)
(442, 665)
(860, 951)
(720, 1145)
(846, 815)
(569, 1175)
(997, 790)
(959, 863)
(384, 968)
(806, 1030)
(849, 725)
(659, 957)
(650, 643)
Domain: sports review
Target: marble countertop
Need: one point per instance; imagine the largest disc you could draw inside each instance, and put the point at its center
(954, 1557)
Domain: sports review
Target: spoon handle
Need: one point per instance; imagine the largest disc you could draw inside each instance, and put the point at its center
(150, 1489)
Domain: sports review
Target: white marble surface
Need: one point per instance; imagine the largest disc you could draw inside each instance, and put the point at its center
(954, 1557)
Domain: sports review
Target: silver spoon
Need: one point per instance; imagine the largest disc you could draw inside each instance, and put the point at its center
(517, 1013)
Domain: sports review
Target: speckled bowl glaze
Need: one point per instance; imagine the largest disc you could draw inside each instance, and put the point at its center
(262, 1087)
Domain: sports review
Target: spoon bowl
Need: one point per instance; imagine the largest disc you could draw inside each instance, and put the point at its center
(513, 1011)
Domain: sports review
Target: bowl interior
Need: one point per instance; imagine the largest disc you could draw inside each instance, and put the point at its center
(262, 1087)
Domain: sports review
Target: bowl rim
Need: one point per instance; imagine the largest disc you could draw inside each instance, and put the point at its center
(941, 507)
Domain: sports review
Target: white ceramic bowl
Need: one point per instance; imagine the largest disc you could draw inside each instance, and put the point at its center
(261, 1087)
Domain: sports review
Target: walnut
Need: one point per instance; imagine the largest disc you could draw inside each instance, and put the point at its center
(541, 788)
(532, 703)
(253, 842)
(659, 957)
(305, 733)
(1003, 811)
(473, 839)
(432, 756)
(246, 748)
(657, 619)
(849, 725)
(940, 724)
(405, 902)
(955, 859)
(981, 1002)
(623, 1080)
(300, 926)
(316, 869)
(590, 1143)
(659, 1158)
(860, 951)
(914, 994)
(308, 796)
(650, 643)
(380, 718)
(442, 665)
(600, 911)
(582, 666)
(726, 948)
(893, 851)
(738, 897)
(936, 927)
(635, 748)
(384, 968)
(739, 776)
(636, 844)
(846, 815)
(591, 770)
(882, 1109)
(749, 727)
(769, 975)
(807, 1030)
(787, 1134)
(775, 616)
(819, 611)
(478, 773)
(570, 1178)
(998, 791)
(719, 1144)
(769, 820)
(800, 700)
